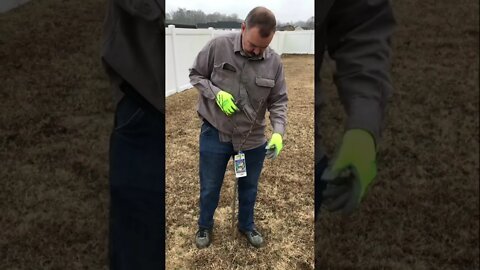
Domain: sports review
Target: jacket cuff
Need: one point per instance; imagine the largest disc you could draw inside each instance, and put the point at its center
(215, 90)
(367, 115)
(278, 128)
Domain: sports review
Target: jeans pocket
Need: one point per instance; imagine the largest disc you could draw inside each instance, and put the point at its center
(204, 130)
(128, 113)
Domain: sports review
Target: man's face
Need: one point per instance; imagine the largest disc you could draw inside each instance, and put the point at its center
(253, 43)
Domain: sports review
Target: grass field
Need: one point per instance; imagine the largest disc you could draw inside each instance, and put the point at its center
(423, 212)
(284, 209)
(56, 115)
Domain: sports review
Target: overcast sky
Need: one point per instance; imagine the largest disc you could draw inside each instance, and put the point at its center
(284, 10)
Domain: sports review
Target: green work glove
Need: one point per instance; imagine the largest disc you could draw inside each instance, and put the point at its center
(274, 146)
(351, 172)
(226, 103)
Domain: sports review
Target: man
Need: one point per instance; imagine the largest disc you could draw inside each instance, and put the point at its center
(239, 77)
(133, 56)
(357, 35)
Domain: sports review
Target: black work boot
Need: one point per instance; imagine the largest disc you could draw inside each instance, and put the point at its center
(203, 238)
(254, 237)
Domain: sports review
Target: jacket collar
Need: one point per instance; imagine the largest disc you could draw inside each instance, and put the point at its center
(237, 48)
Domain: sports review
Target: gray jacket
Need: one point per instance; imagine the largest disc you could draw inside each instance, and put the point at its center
(257, 84)
(133, 42)
(357, 35)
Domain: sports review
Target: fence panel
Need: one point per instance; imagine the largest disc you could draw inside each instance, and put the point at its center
(182, 46)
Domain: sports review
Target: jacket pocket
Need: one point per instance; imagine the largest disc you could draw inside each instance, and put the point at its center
(229, 67)
(264, 82)
(205, 129)
(224, 76)
(259, 95)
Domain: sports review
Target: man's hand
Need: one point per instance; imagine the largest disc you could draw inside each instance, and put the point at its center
(351, 172)
(226, 103)
(274, 146)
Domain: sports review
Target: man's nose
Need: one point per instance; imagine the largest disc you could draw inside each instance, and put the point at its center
(256, 51)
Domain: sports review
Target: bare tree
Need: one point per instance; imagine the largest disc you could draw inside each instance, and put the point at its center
(186, 16)
(310, 24)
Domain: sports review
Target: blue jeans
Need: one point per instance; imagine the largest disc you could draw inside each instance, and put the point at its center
(137, 184)
(214, 156)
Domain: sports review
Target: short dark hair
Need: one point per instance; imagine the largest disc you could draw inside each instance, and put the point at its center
(262, 18)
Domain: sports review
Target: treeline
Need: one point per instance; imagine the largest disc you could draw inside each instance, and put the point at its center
(194, 17)
(185, 16)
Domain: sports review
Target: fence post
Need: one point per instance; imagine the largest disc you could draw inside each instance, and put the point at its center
(312, 36)
(212, 35)
(281, 42)
(171, 28)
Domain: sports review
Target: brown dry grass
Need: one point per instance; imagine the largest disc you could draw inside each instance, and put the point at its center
(56, 116)
(423, 212)
(284, 209)
(55, 119)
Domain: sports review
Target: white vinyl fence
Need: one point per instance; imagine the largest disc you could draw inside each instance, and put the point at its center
(182, 46)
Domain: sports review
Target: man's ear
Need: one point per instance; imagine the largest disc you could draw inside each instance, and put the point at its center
(244, 26)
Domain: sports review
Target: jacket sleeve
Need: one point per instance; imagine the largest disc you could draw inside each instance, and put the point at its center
(149, 10)
(277, 102)
(359, 40)
(202, 69)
